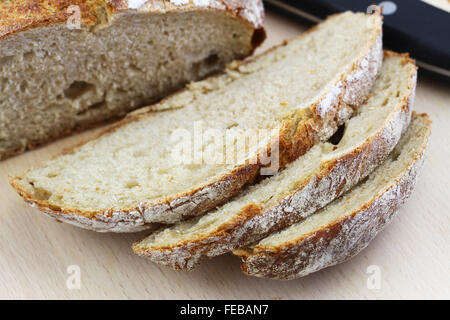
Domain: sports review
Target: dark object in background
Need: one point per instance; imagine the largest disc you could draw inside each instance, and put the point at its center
(409, 26)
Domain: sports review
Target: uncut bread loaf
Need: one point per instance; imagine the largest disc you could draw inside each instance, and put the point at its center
(145, 171)
(325, 172)
(58, 73)
(346, 226)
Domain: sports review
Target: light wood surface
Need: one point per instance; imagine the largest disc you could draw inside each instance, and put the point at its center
(412, 254)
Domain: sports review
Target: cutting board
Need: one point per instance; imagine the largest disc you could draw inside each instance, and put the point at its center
(410, 259)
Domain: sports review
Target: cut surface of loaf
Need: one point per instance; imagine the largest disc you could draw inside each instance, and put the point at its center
(293, 96)
(346, 226)
(56, 76)
(325, 172)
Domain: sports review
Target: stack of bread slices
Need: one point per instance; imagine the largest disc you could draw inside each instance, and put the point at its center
(342, 152)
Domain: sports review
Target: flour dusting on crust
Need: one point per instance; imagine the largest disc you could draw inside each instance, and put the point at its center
(346, 236)
(357, 84)
(336, 176)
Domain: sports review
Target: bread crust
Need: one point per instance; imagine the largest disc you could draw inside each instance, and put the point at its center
(18, 16)
(299, 132)
(343, 238)
(334, 178)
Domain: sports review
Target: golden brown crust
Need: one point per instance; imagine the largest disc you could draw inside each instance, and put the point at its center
(18, 16)
(344, 237)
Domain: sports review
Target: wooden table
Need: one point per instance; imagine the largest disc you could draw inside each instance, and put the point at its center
(412, 254)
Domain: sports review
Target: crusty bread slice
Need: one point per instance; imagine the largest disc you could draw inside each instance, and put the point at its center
(131, 176)
(56, 77)
(346, 226)
(309, 183)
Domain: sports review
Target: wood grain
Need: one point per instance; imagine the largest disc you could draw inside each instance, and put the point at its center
(413, 253)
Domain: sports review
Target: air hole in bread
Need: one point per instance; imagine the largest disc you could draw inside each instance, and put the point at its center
(232, 125)
(28, 55)
(258, 37)
(42, 194)
(132, 184)
(53, 107)
(77, 89)
(212, 59)
(134, 68)
(395, 154)
(205, 66)
(337, 136)
(91, 108)
(361, 182)
(6, 59)
(23, 86)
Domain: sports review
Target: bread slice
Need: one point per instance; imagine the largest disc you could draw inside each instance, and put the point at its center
(346, 226)
(307, 184)
(56, 76)
(293, 96)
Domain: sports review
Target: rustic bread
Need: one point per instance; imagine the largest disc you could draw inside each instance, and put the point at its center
(325, 172)
(126, 54)
(130, 177)
(346, 226)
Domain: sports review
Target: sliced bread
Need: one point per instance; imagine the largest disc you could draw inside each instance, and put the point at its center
(66, 65)
(325, 172)
(346, 226)
(130, 177)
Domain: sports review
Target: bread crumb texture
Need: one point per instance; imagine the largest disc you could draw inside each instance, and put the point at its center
(300, 89)
(324, 173)
(346, 226)
(67, 65)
